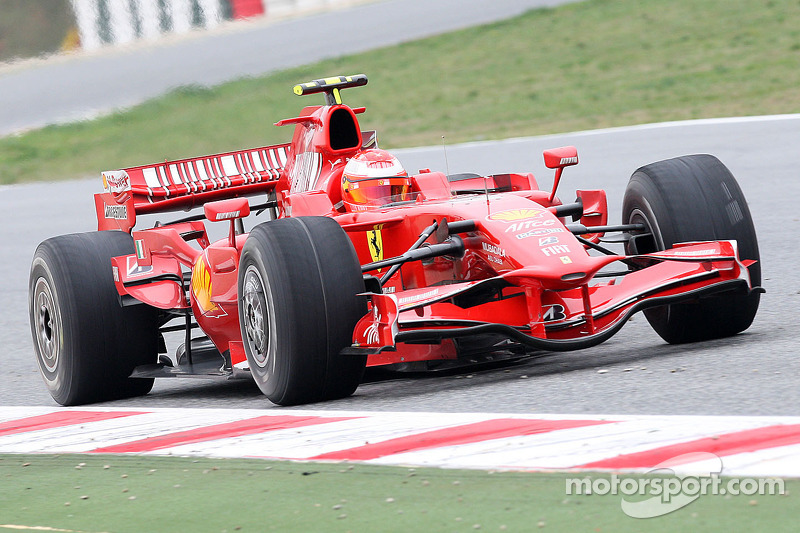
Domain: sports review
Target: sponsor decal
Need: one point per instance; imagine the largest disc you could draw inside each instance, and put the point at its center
(306, 171)
(115, 273)
(527, 224)
(307, 163)
(493, 249)
(116, 181)
(566, 260)
(418, 297)
(695, 253)
(388, 290)
(555, 250)
(512, 215)
(375, 244)
(202, 288)
(545, 241)
(116, 212)
(569, 160)
(135, 270)
(228, 215)
(553, 312)
(537, 232)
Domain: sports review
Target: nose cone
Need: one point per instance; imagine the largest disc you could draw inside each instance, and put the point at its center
(539, 249)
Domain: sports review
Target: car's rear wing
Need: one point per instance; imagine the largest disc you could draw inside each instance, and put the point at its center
(330, 131)
(186, 183)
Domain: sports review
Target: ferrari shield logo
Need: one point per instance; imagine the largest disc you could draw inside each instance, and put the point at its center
(375, 243)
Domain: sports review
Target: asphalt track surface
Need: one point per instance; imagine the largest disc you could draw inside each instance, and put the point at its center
(71, 88)
(754, 373)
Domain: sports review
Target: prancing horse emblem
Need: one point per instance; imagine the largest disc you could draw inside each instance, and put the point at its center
(375, 243)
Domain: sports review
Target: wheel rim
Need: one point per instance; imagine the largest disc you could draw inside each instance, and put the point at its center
(637, 216)
(48, 325)
(258, 317)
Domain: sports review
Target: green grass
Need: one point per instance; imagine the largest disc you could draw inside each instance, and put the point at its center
(598, 63)
(128, 493)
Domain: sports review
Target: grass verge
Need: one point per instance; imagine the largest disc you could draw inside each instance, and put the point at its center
(126, 493)
(598, 63)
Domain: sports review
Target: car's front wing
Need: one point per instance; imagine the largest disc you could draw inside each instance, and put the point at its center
(421, 324)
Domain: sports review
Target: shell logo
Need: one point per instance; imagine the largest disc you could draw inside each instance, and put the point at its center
(513, 215)
(201, 286)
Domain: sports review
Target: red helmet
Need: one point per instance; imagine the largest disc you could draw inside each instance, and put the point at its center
(374, 178)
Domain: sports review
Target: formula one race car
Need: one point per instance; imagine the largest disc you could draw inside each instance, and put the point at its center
(357, 263)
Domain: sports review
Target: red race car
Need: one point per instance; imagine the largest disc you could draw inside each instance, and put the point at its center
(359, 264)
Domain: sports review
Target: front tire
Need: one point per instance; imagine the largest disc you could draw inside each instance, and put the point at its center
(86, 344)
(694, 198)
(298, 281)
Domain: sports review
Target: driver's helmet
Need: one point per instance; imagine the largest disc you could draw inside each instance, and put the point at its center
(374, 178)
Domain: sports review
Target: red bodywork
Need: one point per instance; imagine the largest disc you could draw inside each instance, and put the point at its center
(523, 279)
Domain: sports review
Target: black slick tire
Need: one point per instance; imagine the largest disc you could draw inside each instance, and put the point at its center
(694, 198)
(86, 343)
(298, 281)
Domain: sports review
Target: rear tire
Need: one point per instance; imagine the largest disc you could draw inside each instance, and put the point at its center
(298, 281)
(86, 343)
(694, 198)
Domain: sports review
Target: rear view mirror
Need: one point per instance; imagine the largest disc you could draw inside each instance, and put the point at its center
(561, 157)
(227, 209)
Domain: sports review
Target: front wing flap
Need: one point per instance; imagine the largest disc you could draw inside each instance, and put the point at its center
(561, 320)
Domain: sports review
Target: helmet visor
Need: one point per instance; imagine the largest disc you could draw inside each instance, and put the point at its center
(379, 191)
